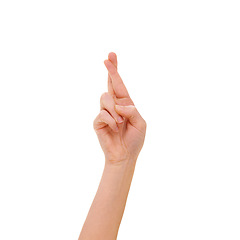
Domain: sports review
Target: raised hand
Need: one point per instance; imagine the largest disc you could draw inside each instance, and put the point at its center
(119, 126)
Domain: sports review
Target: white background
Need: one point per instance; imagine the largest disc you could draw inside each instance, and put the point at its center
(180, 61)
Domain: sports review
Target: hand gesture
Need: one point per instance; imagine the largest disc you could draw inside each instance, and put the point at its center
(119, 126)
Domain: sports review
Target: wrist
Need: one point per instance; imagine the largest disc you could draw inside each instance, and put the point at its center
(123, 163)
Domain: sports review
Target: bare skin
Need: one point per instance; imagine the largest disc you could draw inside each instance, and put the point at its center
(121, 132)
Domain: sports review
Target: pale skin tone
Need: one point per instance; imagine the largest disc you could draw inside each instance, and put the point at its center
(121, 132)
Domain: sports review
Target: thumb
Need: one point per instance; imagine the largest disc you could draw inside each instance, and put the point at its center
(131, 113)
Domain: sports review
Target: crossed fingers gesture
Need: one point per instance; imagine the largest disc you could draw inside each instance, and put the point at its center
(119, 126)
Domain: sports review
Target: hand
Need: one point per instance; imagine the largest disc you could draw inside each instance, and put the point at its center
(119, 126)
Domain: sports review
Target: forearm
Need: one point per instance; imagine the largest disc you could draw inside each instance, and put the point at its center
(121, 132)
(105, 214)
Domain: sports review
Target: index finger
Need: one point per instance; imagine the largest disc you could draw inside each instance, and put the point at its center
(117, 82)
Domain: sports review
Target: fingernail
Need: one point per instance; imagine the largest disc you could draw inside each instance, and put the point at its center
(118, 107)
(120, 119)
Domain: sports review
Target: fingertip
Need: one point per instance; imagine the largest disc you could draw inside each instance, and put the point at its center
(116, 129)
(112, 55)
(105, 62)
(120, 119)
(109, 65)
(113, 58)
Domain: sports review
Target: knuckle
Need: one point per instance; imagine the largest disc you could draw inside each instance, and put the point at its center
(144, 125)
(142, 129)
(95, 119)
(95, 122)
(102, 114)
(107, 102)
(104, 96)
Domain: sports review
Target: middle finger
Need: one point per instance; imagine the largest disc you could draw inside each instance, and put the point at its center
(113, 58)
